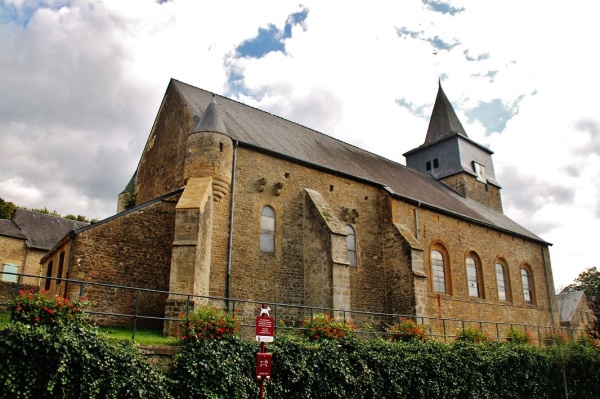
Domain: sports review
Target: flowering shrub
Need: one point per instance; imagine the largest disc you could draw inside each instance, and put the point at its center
(407, 330)
(473, 334)
(322, 326)
(208, 322)
(41, 309)
(555, 338)
(519, 337)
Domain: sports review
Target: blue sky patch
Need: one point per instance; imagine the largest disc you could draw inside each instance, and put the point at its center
(267, 40)
(412, 108)
(21, 14)
(480, 57)
(442, 7)
(436, 41)
(493, 115)
(271, 38)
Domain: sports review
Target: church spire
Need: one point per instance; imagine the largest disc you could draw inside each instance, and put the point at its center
(443, 119)
(450, 156)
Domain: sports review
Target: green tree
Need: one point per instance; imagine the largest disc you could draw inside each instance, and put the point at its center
(6, 209)
(79, 218)
(589, 282)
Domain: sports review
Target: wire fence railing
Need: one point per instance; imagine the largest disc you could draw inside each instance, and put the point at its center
(135, 308)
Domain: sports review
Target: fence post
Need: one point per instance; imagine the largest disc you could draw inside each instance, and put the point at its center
(444, 328)
(187, 306)
(497, 333)
(18, 285)
(275, 319)
(137, 309)
(80, 290)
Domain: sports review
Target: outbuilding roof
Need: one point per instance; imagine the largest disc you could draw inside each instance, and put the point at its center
(270, 133)
(567, 303)
(43, 231)
(8, 228)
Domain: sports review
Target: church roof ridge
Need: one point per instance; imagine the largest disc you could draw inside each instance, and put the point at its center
(259, 129)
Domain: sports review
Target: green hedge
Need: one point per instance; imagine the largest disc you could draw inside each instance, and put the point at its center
(73, 362)
(76, 362)
(378, 368)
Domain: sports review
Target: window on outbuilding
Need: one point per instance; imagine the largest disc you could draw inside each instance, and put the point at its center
(267, 229)
(527, 281)
(351, 243)
(10, 268)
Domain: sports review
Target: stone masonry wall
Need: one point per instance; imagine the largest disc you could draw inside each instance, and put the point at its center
(133, 249)
(470, 187)
(459, 238)
(161, 167)
(279, 276)
(12, 250)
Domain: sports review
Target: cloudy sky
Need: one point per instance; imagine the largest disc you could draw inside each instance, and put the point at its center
(81, 82)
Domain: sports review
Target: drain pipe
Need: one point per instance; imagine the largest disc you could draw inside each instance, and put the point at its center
(551, 293)
(232, 208)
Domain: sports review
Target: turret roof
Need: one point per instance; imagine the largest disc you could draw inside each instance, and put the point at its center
(211, 120)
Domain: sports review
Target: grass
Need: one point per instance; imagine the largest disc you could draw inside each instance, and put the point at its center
(142, 336)
(4, 317)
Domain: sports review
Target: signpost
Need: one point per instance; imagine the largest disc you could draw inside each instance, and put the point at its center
(265, 331)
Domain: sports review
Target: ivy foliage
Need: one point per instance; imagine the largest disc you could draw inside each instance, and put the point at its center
(213, 369)
(40, 359)
(73, 362)
(50, 351)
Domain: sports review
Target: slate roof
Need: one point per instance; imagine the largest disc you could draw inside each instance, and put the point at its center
(43, 231)
(10, 229)
(443, 119)
(567, 303)
(262, 130)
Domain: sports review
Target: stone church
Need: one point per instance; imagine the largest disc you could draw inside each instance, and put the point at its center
(233, 202)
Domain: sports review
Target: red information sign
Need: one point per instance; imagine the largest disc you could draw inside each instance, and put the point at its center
(265, 328)
(263, 365)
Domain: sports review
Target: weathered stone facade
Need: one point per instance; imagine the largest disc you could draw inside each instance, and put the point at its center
(133, 249)
(204, 239)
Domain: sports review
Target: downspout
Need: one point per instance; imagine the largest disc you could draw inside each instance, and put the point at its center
(232, 208)
(550, 292)
(68, 266)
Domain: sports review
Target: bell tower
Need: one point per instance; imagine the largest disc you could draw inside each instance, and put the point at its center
(450, 156)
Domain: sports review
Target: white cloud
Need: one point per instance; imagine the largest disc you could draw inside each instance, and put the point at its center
(81, 86)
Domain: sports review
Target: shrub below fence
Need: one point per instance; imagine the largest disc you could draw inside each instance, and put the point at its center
(74, 363)
(42, 357)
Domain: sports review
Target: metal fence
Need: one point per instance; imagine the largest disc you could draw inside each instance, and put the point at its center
(288, 317)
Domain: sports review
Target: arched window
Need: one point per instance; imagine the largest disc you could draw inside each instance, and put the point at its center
(267, 229)
(351, 242)
(474, 276)
(502, 282)
(438, 271)
(527, 281)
